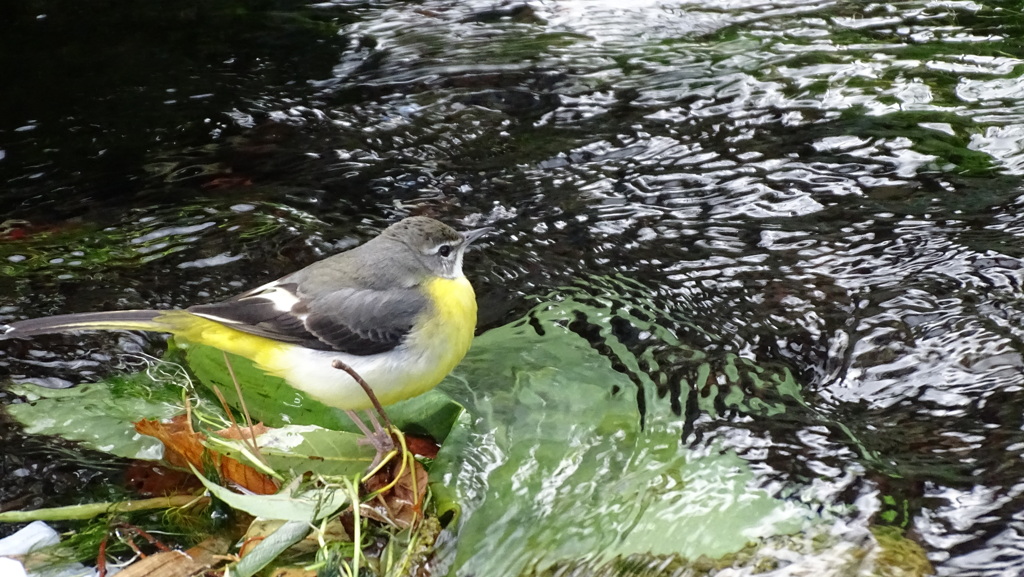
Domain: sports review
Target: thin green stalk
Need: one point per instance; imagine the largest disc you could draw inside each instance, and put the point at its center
(90, 510)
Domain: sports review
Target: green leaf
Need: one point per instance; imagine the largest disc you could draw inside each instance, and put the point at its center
(270, 548)
(555, 468)
(100, 415)
(307, 448)
(307, 506)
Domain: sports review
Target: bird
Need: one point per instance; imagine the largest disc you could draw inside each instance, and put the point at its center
(397, 309)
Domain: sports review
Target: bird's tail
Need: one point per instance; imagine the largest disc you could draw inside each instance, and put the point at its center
(148, 320)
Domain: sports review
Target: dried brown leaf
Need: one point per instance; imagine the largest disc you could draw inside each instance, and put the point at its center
(195, 561)
(185, 447)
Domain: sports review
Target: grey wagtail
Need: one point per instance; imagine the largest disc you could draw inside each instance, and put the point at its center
(397, 309)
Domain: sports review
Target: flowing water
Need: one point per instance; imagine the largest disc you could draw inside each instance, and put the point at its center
(821, 195)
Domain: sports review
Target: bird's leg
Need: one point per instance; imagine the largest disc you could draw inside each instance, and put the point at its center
(359, 422)
(380, 437)
(375, 421)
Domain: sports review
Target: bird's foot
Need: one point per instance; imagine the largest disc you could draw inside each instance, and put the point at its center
(385, 448)
(380, 438)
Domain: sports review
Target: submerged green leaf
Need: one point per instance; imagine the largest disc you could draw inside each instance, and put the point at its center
(556, 468)
(101, 415)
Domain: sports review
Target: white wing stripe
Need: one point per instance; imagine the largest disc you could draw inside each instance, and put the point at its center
(217, 319)
(282, 299)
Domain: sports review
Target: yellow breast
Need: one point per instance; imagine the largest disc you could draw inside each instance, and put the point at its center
(447, 329)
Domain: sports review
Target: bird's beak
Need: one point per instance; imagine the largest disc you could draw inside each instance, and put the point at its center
(472, 235)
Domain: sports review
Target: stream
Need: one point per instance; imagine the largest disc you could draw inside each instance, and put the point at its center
(786, 237)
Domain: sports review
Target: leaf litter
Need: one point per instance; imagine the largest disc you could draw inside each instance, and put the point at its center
(289, 492)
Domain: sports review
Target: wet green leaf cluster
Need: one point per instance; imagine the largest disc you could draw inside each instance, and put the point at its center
(319, 468)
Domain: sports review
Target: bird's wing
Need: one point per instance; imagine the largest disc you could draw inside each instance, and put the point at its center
(350, 320)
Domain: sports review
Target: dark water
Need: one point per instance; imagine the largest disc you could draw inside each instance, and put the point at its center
(833, 187)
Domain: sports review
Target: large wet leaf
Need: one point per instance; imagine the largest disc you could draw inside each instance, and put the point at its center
(100, 415)
(555, 468)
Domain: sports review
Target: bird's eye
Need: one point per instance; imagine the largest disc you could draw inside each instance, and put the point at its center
(444, 250)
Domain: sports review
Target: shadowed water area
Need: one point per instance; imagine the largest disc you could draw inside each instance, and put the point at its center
(791, 232)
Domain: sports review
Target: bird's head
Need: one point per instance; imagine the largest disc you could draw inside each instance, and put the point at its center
(435, 246)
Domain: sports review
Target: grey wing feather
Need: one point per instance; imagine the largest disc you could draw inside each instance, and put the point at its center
(350, 320)
(365, 322)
